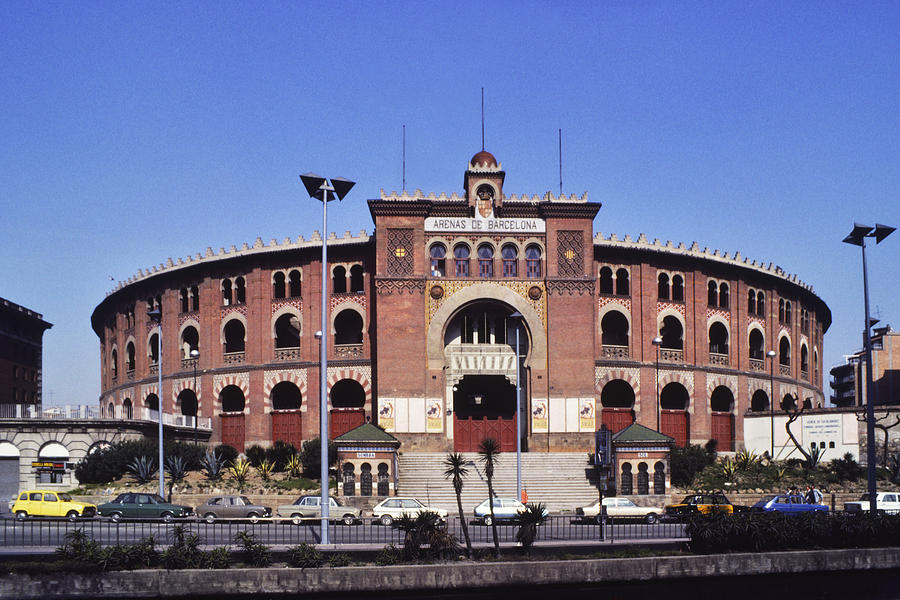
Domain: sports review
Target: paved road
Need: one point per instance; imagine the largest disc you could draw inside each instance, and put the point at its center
(36, 532)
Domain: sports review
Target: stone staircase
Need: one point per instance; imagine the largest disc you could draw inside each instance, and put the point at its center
(560, 480)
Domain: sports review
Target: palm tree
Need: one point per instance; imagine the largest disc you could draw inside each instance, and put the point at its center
(488, 451)
(456, 469)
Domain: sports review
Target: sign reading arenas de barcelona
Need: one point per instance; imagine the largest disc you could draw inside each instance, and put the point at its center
(451, 305)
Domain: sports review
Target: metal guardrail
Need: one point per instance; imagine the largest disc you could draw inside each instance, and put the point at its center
(46, 532)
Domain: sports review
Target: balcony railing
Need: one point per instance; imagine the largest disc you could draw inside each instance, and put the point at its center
(234, 358)
(785, 370)
(670, 355)
(757, 364)
(482, 359)
(348, 350)
(188, 363)
(804, 375)
(287, 353)
(94, 412)
(154, 368)
(718, 359)
(610, 351)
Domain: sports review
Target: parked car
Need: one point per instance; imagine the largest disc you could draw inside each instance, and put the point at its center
(136, 505)
(231, 507)
(699, 503)
(393, 508)
(786, 504)
(307, 507)
(619, 508)
(887, 502)
(48, 503)
(505, 509)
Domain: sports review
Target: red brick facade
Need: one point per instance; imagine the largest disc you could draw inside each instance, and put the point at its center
(422, 340)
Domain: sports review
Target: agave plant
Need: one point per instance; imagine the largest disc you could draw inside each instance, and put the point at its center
(240, 470)
(143, 468)
(176, 467)
(780, 473)
(294, 466)
(729, 468)
(425, 530)
(265, 469)
(746, 459)
(213, 465)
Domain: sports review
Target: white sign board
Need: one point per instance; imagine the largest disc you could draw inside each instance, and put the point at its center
(466, 225)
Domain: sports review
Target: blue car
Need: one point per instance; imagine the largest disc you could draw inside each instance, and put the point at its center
(787, 504)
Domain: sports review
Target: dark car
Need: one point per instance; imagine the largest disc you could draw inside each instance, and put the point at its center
(787, 504)
(137, 505)
(707, 504)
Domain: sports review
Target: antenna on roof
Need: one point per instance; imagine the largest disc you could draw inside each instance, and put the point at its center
(404, 159)
(560, 162)
(482, 118)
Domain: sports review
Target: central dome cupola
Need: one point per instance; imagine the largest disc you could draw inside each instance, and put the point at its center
(484, 183)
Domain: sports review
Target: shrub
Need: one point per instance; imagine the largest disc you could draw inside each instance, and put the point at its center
(389, 555)
(528, 520)
(305, 556)
(687, 462)
(255, 553)
(228, 453)
(184, 553)
(339, 559)
(141, 555)
(217, 558)
(426, 537)
(846, 468)
(255, 454)
(310, 456)
(80, 547)
(279, 454)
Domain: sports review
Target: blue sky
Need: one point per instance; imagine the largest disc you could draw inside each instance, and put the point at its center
(135, 132)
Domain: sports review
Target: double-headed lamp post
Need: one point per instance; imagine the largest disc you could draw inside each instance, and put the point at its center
(195, 355)
(156, 317)
(517, 318)
(858, 237)
(771, 354)
(324, 191)
(657, 341)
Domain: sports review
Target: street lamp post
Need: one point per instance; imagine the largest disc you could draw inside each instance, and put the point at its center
(657, 341)
(771, 354)
(195, 354)
(857, 237)
(324, 191)
(156, 316)
(517, 316)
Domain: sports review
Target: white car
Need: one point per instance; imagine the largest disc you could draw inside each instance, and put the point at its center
(505, 509)
(393, 508)
(885, 502)
(619, 508)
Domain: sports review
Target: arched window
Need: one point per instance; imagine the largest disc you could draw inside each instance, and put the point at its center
(789, 403)
(643, 479)
(662, 283)
(659, 478)
(227, 296)
(127, 409)
(718, 339)
(110, 410)
(234, 336)
(349, 479)
(678, 288)
(781, 309)
(278, 285)
(185, 301)
(232, 399)
(294, 284)
(152, 403)
(485, 261)
(286, 396)
(787, 312)
(461, 260)
(348, 393)
(614, 327)
(195, 298)
(606, 280)
(339, 278)
(153, 349)
(751, 302)
(348, 326)
(129, 356)
(438, 255)
(757, 344)
(760, 304)
(190, 340)
(622, 282)
(240, 289)
(784, 352)
(723, 295)
(712, 294)
(114, 360)
(356, 279)
(533, 262)
(627, 486)
(187, 400)
(510, 255)
(287, 331)
(672, 333)
(759, 402)
(804, 359)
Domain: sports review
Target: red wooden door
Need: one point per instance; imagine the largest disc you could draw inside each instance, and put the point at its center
(722, 430)
(233, 430)
(616, 419)
(469, 431)
(345, 419)
(288, 427)
(674, 424)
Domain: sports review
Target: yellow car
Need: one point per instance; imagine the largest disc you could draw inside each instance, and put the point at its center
(699, 503)
(46, 503)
